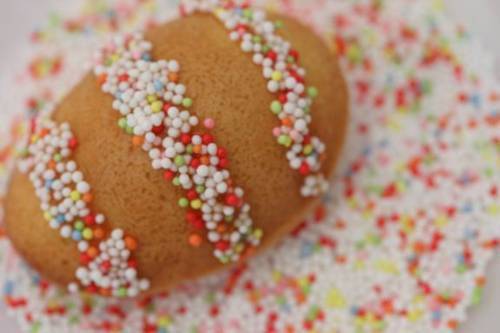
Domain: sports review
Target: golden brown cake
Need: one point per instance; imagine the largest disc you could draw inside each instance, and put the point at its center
(225, 86)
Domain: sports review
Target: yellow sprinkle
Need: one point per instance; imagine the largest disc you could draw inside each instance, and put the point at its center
(303, 282)
(386, 266)
(277, 76)
(196, 204)
(164, 321)
(370, 318)
(494, 209)
(151, 98)
(87, 234)
(47, 216)
(335, 299)
(441, 221)
(414, 315)
(75, 195)
(418, 299)
(156, 106)
(258, 233)
(239, 248)
(438, 5)
(407, 224)
(359, 264)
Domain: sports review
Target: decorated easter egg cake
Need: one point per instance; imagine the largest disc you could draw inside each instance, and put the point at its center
(188, 148)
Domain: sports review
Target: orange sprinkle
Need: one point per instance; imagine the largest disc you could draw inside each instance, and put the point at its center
(87, 197)
(481, 281)
(221, 228)
(137, 140)
(195, 240)
(92, 252)
(453, 324)
(130, 243)
(51, 165)
(44, 132)
(2, 233)
(197, 149)
(174, 77)
(248, 252)
(205, 160)
(287, 122)
(105, 292)
(101, 79)
(99, 233)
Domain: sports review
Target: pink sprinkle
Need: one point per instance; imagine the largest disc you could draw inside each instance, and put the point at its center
(209, 123)
(294, 135)
(276, 131)
(136, 55)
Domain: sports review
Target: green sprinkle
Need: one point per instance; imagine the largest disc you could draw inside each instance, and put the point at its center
(176, 181)
(278, 24)
(179, 160)
(276, 107)
(122, 292)
(477, 295)
(284, 140)
(189, 149)
(79, 225)
(200, 189)
(183, 202)
(122, 123)
(256, 39)
(187, 102)
(248, 13)
(129, 130)
(312, 92)
(57, 157)
(265, 48)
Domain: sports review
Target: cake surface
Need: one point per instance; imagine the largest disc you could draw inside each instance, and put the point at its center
(226, 86)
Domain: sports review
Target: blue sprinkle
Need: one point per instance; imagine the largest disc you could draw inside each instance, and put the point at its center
(436, 315)
(60, 218)
(467, 207)
(476, 100)
(48, 183)
(158, 85)
(77, 236)
(461, 259)
(306, 250)
(8, 288)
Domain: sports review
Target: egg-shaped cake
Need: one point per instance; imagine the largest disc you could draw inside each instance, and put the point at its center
(187, 149)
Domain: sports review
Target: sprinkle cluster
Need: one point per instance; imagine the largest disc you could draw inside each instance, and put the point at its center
(285, 79)
(107, 266)
(412, 221)
(154, 110)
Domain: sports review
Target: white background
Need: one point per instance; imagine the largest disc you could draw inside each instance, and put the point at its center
(481, 17)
